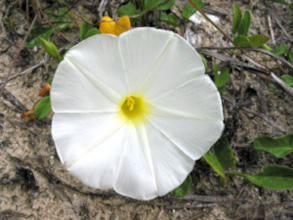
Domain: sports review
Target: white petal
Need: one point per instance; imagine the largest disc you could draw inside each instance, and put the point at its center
(171, 165)
(98, 169)
(198, 98)
(73, 92)
(99, 56)
(192, 136)
(140, 51)
(77, 134)
(135, 178)
(181, 64)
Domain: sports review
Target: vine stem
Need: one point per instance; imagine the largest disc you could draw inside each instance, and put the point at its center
(275, 78)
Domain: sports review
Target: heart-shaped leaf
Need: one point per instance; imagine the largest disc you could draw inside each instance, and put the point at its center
(279, 147)
(272, 177)
(258, 40)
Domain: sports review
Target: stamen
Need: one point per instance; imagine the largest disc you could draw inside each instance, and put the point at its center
(130, 102)
(134, 108)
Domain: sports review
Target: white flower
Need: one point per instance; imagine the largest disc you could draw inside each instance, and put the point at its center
(134, 112)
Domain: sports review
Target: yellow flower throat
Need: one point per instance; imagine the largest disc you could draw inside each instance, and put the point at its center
(134, 108)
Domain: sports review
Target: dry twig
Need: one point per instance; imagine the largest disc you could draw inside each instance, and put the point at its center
(11, 67)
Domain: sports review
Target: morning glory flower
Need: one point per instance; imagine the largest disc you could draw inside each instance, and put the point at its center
(134, 112)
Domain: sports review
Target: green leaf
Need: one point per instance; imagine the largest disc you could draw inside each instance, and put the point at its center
(50, 80)
(222, 90)
(9, 23)
(258, 40)
(61, 19)
(51, 49)
(221, 157)
(221, 77)
(279, 147)
(91, 32)
(87, 30)
(245, 24)
(266, 47)
(183, 189)
(213, 161)
(37, 33)
(169, 18)
(288, 80)
(291, 57)
(129, 10)
(189, 9)
(43, 108)
(204, 62)
(225, 153)
(272, 177)
(281, 50)
(242, 41)
(165, 6)
(84, 28)
(237, 15)
(272, 86)
(151, 3)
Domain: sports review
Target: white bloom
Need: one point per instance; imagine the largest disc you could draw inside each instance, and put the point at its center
(134, 112)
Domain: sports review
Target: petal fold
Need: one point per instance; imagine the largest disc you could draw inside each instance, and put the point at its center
(197, 98)
(98, 169)
(76, 134)
(192, 136)
(140, 50)
(171, 164)
(181, 64)
(72, 92)
(134, 177)
(98, 56)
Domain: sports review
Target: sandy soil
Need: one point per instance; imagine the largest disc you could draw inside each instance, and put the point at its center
(34, 184)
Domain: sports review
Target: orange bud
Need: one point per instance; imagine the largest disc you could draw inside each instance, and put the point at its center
(45, 90)
(109, 26)
(28, 116)
(123, 25)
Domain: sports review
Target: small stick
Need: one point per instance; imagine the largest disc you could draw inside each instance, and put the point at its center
(260, 115)
(252, 49)
(11, 67)
(286, 88)
(197, 206)
(205, 198)
(56, 29)
(24, 72)
(271, 29)
(195, 216)
(281, 26)
(101, 8)
(240, 193)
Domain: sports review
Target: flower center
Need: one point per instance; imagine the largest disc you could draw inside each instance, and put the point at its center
(134, 108)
